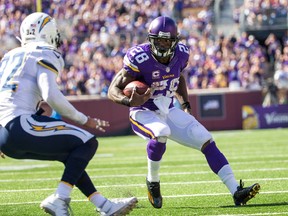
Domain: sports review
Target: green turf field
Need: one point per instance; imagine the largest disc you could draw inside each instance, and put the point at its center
(188, 186)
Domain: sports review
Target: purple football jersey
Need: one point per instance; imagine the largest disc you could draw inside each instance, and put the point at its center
(163, 79)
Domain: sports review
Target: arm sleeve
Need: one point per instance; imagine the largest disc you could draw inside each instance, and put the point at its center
(47, 84)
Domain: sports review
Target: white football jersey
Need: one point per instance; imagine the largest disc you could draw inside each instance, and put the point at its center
(28, 75)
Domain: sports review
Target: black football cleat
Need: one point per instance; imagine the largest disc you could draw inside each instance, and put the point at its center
(154, 194)
(243, 195)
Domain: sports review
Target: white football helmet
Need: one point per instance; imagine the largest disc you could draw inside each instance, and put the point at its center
(39, 27)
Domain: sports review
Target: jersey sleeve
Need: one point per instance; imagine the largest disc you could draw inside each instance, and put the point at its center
(131, 61)
(54, 97)
(183, 51)
(52, 61)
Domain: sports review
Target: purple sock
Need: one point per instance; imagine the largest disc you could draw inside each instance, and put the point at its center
(214, 157)
(155, 150)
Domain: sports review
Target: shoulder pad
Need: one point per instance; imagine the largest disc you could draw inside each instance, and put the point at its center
(135, 56)
(51, 59)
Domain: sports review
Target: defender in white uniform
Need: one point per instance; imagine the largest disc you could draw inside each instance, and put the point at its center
(28, 76)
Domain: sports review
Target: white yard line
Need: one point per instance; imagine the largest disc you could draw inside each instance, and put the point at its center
(144, 185)
(7, 167)
(144, 174)
(144, 198)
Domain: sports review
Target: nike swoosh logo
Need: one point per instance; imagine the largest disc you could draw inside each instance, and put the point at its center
(58, 56)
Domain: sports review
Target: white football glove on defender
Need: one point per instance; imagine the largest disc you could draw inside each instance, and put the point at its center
(95, 123)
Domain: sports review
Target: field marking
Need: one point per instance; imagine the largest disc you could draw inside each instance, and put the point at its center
(144, 185)
(144, 198)
(144, 174)
(187, 157)
(172, 158)
(22, 167)
(163, 166)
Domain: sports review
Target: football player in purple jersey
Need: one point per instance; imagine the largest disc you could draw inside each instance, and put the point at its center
(160, 63)
(28, 76)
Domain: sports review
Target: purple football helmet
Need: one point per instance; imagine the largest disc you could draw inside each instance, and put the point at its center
(163, 28)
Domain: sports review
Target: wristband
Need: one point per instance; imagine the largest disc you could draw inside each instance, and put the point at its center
(186, 105)
(126, 101)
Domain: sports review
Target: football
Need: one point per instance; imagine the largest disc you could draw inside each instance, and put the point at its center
(141, 88)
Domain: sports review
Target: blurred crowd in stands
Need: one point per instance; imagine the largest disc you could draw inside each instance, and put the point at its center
(259, 13)
(97, 33)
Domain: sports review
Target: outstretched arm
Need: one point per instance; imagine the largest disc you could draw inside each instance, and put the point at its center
(57, 101)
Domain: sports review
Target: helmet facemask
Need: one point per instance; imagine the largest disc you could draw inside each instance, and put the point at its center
(160, 50)
(163, 28)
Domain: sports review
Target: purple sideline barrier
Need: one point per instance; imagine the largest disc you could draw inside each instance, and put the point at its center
(221, 109)
(255, 117)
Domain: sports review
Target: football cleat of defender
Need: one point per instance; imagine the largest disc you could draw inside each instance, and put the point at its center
(243, 195)
(117, 207)
(55, 206)
(154, 194)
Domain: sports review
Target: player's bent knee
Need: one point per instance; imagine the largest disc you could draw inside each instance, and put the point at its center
(93, 145)
(162, 132)
(199, 135)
